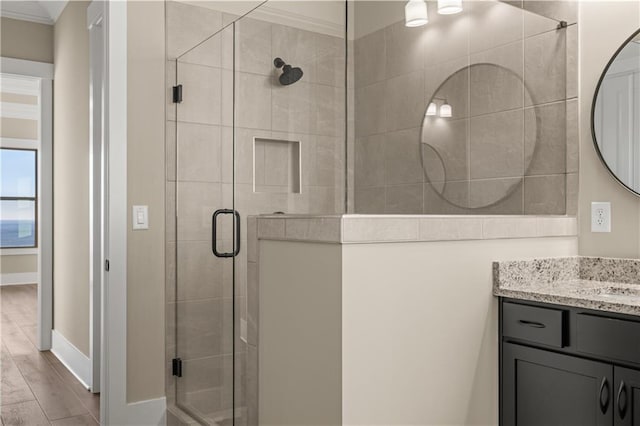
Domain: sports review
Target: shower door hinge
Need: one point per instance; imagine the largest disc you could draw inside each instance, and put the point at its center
(177, 94)
(106, 265)
(176, 367)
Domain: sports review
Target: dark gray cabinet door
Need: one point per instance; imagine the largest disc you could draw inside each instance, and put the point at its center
(542, 388)
(627, 397)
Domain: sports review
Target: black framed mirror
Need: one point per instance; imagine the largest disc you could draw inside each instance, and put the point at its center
(615, 115)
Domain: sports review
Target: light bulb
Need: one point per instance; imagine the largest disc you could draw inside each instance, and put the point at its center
(415, 13)
(449, 7)
(446, 111)
(432, 109)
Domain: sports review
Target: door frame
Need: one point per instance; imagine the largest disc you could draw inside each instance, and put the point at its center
(97, 182)
(44, 72)
(114, 408)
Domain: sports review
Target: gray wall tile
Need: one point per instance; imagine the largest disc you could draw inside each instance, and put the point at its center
(370, 111)
(545, 194)
(404, 100)
(370, 59)
(545, 62)
(404, 49)
(404, 199)
(402, 157)
(546, 139)
(497, 145)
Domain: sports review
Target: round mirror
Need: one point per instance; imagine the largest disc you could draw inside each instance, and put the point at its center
(472, 141)
(615, 115)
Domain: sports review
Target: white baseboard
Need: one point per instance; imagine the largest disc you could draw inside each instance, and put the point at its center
(18, 278)
(78, 363)
(151, 412)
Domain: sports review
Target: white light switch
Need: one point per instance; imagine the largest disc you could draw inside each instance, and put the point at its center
(600, 217)
(140, 217)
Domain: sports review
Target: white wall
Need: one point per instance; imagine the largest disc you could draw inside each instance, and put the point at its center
(420, 329)
(604, 26)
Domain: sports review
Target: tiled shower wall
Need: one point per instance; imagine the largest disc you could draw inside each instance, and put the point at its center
(308, 115)
(397, 71)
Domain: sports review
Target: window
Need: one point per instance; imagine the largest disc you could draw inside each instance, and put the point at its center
(18, 198)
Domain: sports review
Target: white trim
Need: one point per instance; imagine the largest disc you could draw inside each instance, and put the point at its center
(20, 84)
(26, 68)
(45, 216)
(276, 15)
(297, 20)
(96, 184)
(147, 412)
(72, 358)
(19, 143)
(114, 410)
(19, 251)
(38, 19)
(18, 278)
(22, 111)
(54, 8)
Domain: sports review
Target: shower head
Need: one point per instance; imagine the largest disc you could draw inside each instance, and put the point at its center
(289, 74)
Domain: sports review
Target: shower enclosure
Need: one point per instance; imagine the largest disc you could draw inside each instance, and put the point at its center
(257, 126)
(274, 107)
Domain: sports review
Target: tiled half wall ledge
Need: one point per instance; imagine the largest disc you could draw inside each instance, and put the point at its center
(358, 229)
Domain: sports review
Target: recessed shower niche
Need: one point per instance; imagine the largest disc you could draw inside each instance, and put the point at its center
(276, 166)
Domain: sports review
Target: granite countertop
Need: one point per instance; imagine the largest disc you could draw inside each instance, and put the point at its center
(604, 284)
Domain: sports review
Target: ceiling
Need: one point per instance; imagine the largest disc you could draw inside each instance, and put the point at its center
(43, 11)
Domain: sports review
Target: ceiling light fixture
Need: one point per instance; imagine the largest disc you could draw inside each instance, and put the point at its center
(449, 7)
(415, 13)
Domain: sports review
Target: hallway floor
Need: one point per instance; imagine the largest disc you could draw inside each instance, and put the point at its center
(36, 389)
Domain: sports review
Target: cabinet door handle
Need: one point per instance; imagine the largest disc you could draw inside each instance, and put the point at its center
(533, 324)
(604, 395)
(622, 400)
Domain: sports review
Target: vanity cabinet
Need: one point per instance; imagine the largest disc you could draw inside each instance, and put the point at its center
(554, 372)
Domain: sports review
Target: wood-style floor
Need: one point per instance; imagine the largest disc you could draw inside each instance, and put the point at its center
(36, 389)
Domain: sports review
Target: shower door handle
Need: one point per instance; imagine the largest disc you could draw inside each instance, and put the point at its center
(214, 233)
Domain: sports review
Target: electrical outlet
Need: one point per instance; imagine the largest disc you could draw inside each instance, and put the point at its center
(600, 217)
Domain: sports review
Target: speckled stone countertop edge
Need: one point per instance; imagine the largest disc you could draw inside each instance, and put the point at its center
(596, 305)
(567, 281)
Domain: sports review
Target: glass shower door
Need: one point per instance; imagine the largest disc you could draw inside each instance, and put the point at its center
(205, 231)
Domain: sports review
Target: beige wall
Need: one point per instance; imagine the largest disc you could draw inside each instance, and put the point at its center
(26, 40)
(145, 175)
(18, 128)
(71, 176)
(19, 263)
(145, 344)
(300, 350)
(599, 39)
(395, 362)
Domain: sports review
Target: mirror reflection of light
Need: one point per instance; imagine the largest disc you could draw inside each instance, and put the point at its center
(432, 109)
(446, 111)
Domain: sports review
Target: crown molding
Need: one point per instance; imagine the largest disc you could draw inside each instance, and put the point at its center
(309, 23)
(26, 17)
